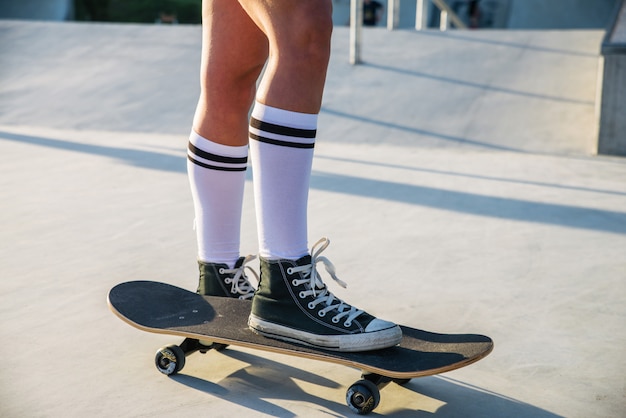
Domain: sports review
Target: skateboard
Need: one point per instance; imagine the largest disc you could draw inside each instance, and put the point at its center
(165, 309)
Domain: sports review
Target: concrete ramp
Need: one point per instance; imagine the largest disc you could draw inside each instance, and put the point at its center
(521, 91)
(453, 174)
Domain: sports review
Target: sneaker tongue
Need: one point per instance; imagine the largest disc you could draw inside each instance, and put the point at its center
(303, 260)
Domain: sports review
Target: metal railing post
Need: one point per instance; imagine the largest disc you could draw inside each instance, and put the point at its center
(393, 14)
(356, 23)
(421, 14)
(443, 21)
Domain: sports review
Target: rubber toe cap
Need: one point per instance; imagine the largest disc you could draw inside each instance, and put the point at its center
(379, 325)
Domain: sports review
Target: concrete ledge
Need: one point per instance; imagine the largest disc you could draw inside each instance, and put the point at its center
(612, 126)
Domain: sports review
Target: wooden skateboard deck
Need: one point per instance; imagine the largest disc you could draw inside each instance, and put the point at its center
(166, 309)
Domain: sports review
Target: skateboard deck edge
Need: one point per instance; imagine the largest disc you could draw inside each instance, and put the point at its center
(296, 353)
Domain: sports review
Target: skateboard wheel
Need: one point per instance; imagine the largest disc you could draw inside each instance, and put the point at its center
(363, 396)
(170, 360)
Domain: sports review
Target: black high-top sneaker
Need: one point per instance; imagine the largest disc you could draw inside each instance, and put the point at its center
(219, 280)
(293, 304)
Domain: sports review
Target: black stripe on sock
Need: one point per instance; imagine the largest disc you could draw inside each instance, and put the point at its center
(282, 130)
(281, 143)
(216, 167)
(217, 158)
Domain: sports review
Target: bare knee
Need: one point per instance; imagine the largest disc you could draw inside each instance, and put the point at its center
(306, 36)
(230, 83)
(298, 33)
(225, 99)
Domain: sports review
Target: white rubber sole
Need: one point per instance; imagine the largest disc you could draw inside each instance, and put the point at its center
(375, 340)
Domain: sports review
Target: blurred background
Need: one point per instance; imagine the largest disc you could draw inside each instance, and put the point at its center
(132, 11)
(510, 14)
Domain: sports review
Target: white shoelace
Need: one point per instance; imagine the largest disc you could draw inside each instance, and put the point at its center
(239, 282)
(318, 289)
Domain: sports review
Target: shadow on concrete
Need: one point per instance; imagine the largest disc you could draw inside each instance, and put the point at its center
(478, 86)
(138, 158)
(489, 206)
(456, 201)
(412, 130)
(261, 380)
(254, 386)
(463, 400)
(457, 35)
(472, 176)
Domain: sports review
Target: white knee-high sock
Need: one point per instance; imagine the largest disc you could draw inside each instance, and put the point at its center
(217, 174)
(281, 149)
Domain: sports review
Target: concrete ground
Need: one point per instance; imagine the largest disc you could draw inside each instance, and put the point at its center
(454, 175)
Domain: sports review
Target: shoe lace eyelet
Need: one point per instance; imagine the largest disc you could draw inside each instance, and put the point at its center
(321, 314)
(347, 324)
(294, 282)
(302, 295)
(221, 271)
(290, 270)
(335, 320)
(311, 305)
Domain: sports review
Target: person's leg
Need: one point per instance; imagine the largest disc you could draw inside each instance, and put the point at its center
(234, 51)
(299, 37)
(292, 303)
(284, 119)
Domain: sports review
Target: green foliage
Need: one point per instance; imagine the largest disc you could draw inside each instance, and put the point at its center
(96, 10)
(138, 11)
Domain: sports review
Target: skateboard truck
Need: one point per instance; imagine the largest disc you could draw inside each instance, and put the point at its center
(211, 323)
(362, 396)
(170, 359)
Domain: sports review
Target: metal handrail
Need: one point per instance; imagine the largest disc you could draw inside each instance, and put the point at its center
(421, 14)
(393, 12)
(356, 23)
(449, 14)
